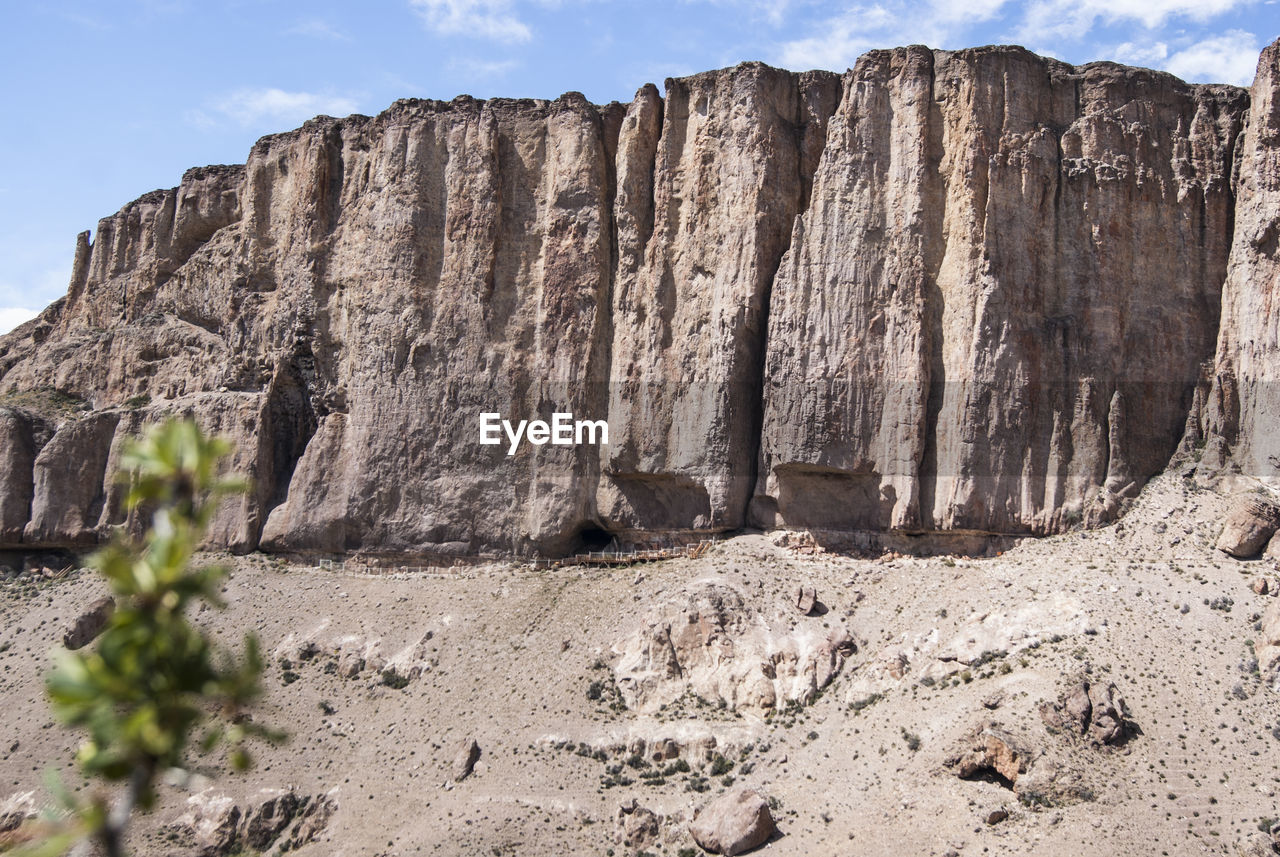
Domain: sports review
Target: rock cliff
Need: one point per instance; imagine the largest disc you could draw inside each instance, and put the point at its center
(944, 292)
(1242, 422)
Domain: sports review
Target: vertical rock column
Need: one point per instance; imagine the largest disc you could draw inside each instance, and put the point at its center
(696, 259)
(993, 315)
(1243, 419)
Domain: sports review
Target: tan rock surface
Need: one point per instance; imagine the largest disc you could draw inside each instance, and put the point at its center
(1245, 398)
(965, 292)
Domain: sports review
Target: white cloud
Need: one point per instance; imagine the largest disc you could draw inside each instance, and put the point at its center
(271, 106)
(1229, 58)
(1151, 55)
(12, 316)
(489, 19)
(840, 40)
(1046, 20)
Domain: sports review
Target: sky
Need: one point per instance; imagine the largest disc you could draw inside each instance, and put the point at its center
(106, 101)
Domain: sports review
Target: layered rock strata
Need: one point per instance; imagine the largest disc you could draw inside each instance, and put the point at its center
(962, 291)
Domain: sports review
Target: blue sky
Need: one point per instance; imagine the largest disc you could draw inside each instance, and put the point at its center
(106, 101)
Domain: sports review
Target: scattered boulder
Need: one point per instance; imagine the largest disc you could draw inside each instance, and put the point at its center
(1248, 527)
(733, 823)
(1093, 711)
(1265, 585)
(637, 826)
(464, 761)
(86, 627)
(992, 753)
(996, 816)
(806, 599)
(1037, 778)
(711, 643)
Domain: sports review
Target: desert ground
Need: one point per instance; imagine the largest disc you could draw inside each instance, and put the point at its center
(523, 660)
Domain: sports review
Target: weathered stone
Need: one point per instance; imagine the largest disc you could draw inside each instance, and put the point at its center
(1267, 645)
(276, 820)
(464, 761)
(712, 642)
(991, 751)
(805, 600)
(1093, 711)
(993, 313)
(70, 483)
(17, 467)
(16, 810)
(1248, 527)
(733, 823)
(86, 627)
(1240, 412)
(636, 826)
(271, 812)
(961, 291)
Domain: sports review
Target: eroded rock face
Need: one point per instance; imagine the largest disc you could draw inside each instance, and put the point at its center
(954, 291)
(1245, 397)
(714, 643)
(963, 334)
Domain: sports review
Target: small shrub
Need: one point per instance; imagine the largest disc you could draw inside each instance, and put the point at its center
(394, 680)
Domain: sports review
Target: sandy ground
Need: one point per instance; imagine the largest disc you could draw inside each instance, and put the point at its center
(514, 652)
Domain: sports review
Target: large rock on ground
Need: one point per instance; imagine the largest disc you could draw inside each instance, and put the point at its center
(86, 627)
(1248, 527)
(1091, 710)
(733, 823)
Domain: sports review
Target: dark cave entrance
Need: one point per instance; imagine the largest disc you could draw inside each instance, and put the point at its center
(594, 539)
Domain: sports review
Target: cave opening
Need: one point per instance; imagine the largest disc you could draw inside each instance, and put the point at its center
(594, 539)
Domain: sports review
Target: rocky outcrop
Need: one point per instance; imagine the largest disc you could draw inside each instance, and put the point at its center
(956, 292)
(1092, 711)
(1268, 645)
(274, 821)
(713, 643)
(730, 163)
